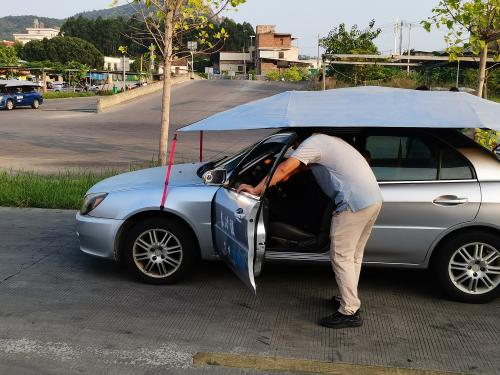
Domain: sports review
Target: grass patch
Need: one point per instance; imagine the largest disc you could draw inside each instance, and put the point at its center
(59, 94)
(62, 190)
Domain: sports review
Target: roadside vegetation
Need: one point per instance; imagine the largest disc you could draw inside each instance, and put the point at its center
(61, 190)
(60, 95)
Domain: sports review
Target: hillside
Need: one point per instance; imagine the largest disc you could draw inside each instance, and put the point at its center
(18, 24)
(124, 11)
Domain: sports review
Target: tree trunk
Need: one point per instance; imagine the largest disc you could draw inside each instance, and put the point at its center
(482, 70)
(167, 86)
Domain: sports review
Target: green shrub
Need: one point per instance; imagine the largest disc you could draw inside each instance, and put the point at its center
(59, 95)
(293, 74)
(273, 76)
(105, 93)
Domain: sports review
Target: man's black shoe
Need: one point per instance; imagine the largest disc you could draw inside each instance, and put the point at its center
(335, 302)
(339, 320)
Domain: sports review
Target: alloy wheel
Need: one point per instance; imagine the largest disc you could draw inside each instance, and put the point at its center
(157, 253)
(475, 268)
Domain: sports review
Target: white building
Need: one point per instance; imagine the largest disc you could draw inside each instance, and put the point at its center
(37, 32)
(235, 61)
(115, 64)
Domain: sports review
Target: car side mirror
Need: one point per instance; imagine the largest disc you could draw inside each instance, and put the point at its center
(215, 177)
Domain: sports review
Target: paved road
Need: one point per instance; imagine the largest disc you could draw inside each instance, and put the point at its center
(67, 133)
(62, 312)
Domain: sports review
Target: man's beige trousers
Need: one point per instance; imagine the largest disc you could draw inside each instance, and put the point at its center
(349, 233)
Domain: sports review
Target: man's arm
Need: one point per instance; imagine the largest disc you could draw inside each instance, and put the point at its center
(284, 170)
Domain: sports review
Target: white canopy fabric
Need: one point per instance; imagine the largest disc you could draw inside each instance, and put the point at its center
(15, 83)
(358, 107)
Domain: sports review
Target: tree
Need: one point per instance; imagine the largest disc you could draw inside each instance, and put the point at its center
(472, 25)
(8, 56)
(342, 41)
(353, 41)
(168, 22)
(63, 49)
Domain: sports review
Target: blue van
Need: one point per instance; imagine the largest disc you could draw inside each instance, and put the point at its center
(14, 93)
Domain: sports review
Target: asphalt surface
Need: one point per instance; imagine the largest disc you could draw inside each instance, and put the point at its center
(63, 312)
(68, 134)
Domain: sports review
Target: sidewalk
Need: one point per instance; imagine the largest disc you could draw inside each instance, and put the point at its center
(63, 312)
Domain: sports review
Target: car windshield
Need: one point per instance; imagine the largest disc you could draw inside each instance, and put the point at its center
(226, 162)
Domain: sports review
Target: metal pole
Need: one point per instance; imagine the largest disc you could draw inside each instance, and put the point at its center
(401, 37)
(324, 75)
(317, 59)
(396, 28)
(409, 45)
(244, 63)
(124, 73)
(192, 65)
(458, 72)
(201, 146)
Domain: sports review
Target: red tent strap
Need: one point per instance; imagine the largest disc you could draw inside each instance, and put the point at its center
(201, 146)
(167, 178)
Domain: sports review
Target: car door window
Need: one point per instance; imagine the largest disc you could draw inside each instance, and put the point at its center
(454, 166)
(402, 158)
(258, 163)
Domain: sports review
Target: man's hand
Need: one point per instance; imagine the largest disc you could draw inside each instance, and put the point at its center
(248, 188)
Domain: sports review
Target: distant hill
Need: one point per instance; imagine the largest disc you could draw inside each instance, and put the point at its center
(18, 24)
(124, 11)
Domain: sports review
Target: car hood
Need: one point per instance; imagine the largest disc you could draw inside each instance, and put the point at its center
(180, 175)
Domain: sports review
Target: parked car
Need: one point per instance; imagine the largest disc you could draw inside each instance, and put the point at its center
(14, 93)
(441, 211)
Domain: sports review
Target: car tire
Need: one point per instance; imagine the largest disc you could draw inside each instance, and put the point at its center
(159, 250)
(9, 105)
(35, 104)
(467, 267)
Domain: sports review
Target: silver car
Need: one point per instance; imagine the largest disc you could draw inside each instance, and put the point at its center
(441, 211)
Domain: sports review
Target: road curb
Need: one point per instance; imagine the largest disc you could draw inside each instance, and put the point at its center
(264, 363)
(106, 102)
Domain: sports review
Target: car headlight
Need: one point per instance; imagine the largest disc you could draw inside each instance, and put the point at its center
(91, 201)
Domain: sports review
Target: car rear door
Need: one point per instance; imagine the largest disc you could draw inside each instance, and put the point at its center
(238, 219)
(427, 187)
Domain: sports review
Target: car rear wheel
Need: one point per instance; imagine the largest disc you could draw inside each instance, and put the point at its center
(467, 267)
(35, 104)
(159, 250)
(9, 105)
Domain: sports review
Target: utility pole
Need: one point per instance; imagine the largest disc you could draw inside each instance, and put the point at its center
(324, 73)
(124, 73)
(396, 26)
(317, 60)
(409, 48)
(401, 38)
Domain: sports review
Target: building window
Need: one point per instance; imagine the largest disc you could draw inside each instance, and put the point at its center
(116, 67)
(281, 40)
(281, 55)
(240, 68)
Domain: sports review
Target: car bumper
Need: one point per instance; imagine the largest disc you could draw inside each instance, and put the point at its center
(97, 236)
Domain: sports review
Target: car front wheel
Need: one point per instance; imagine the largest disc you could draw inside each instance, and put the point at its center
(35, 104)
(159, 250)
(467, 267)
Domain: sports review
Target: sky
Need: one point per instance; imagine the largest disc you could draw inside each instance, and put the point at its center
(304, 19)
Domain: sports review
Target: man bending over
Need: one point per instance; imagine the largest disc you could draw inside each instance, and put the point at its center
(345, 176)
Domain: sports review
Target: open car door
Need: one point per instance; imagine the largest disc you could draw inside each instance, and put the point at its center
(238, 220)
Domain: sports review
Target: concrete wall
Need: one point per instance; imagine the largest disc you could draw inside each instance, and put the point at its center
(106, 102)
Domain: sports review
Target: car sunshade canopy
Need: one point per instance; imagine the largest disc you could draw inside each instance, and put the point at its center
(358, 107)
